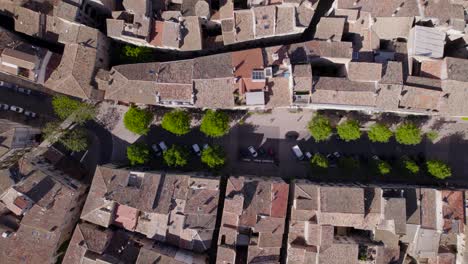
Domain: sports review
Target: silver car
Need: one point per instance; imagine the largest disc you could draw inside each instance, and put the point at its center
(16, 109)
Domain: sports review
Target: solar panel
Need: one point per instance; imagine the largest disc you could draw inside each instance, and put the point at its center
(258, 75)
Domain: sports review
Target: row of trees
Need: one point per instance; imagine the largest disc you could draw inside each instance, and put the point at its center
(214, 123)
(407, 133)
(435, 168)
(176, 156)
(75, 139)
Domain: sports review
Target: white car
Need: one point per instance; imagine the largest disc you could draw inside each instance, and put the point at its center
(196, 149)
(16, 109)
(298, 152)
(30, 114)
(163, 146)
(308, 155)
(156, 149)
(253, 151)
(4, 107)
(24, 90)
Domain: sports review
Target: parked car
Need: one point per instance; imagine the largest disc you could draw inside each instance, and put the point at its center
(252, 151)
(156, 149)
(16, 109)
(30, 114)
(4, 107)
(24, 90)
(308, 155)
(297, 152)
(163, 146)
(196, 149)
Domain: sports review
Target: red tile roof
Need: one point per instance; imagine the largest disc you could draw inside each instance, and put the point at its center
(279, 202)
(126, 216)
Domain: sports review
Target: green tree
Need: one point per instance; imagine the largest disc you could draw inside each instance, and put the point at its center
(138, 153)
(175, 156)
(379, 133)
(438, 169)
(411, 165)
(64, 106)
(320, 128)
(214, 157)
(432, 135)
(49, 130)
(383, 167)
(176, 122)
(349, 130)
(319, 161)
(138, 120)
(75, 140)
(215, 123)
(136, 54)
(408, 134)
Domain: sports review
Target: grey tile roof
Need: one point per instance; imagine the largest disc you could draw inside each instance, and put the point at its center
(285, 20)
(364, 71)
(349, 200)
(214, 93)
(213, 67)
(330, 28)
(265, 18)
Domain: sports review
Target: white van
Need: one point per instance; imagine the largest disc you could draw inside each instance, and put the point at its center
(163, 146)
(196, 149)
(298, 152)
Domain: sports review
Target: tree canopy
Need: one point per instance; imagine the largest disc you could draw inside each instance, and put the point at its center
(438, 169)
(136, 54)
(349, 130)
(64, 106)
(138, 120)
(319, 161)
(176, 122)
(379, 133)
(408, 134)
(383, 167)
(411, 166)
(213, 157)
(138, 153)
(215, 123)
(75, 140)
(176, 156)
(320, 128)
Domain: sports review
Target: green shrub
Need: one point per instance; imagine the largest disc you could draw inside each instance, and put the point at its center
(176, 156)
(432, 135)
(411, 166)
(408, 134)
(64, 106)
(320, 128)
(215, 123)
(214, 157)
(379, 133)
(349, 130)
(138, 120)
(319, 161)
(383, 167)
(138, 153)
(136, 54)
(438, 169)
(176, 122)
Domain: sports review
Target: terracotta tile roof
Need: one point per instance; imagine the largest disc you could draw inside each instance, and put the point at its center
(364, 72)
(27, 21)
(387, 8)
(244, 25)
(304, 13)
(341, 91)
(330, 28)
(433, 69)
(420, 98)
(156, 35)
(265, 17)
(400, 27)
(192, 34)
(278, 93)
(302, 77)
(260, 205)
(350, 200)
(428, 208)
(245, 61)
(213, 66)
(217, 93)
(151, 197)
(452, 210)
(457, 69)
(392, 73)
(285, 20)
(330, 49)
